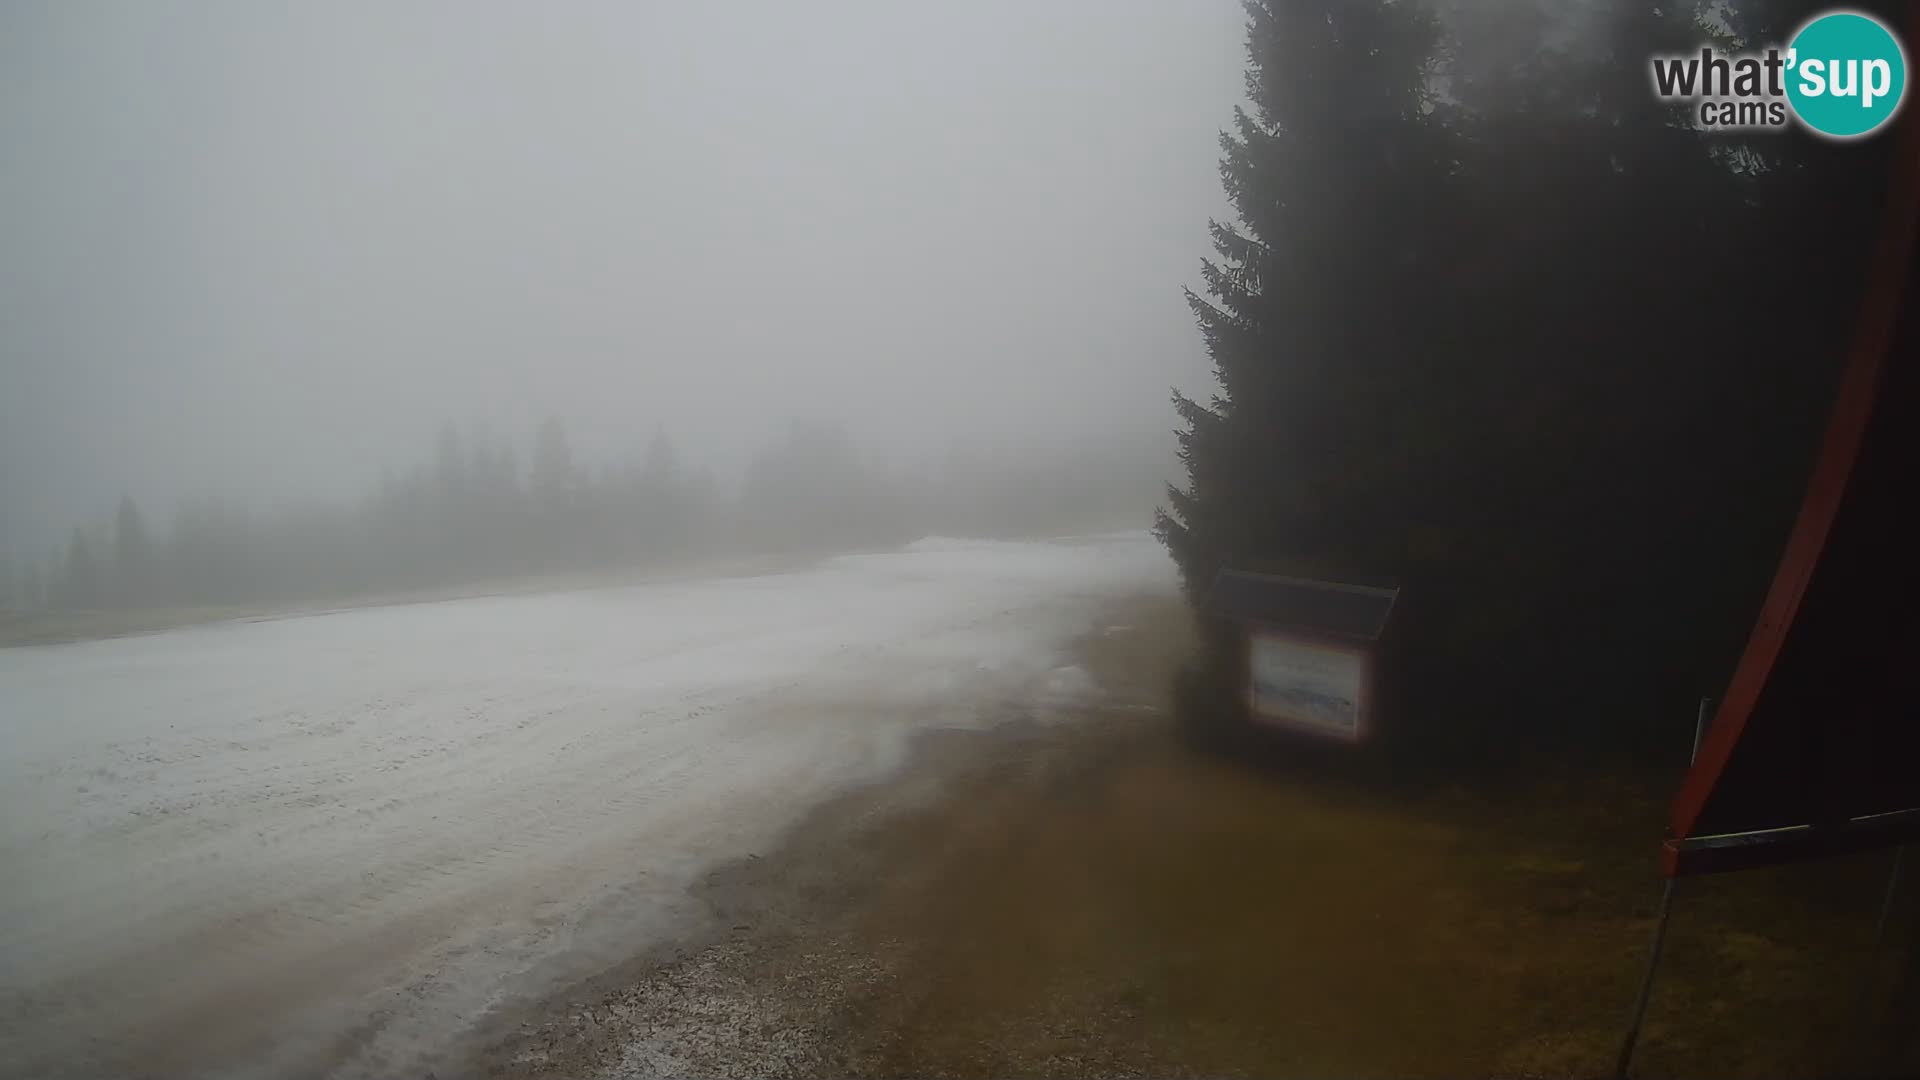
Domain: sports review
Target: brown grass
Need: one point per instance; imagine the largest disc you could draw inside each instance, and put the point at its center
(1120, 904)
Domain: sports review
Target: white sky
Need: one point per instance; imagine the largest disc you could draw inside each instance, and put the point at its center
(261, 248)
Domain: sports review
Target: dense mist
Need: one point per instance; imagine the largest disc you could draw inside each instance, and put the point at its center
(865, 538)
(259, 258)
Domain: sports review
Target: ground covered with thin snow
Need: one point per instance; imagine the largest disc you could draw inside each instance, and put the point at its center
(324, 844)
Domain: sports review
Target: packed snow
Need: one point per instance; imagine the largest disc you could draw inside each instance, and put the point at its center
(326, 844)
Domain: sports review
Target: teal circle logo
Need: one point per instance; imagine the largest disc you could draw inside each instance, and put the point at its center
(1846, 75)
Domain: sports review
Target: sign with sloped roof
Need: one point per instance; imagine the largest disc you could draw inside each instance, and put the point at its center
(1320, 608)
(1309, 648)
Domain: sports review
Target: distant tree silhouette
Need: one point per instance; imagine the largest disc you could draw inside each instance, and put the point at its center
(132, 556)
(80, 581)
(34, 587)
(466, 514)
(810, 490)
(662, 464)
(554, 474)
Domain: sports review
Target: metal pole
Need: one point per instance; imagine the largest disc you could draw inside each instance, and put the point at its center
(1659, 936)
(1872, 979)
(1886, 902)
(1699, 730)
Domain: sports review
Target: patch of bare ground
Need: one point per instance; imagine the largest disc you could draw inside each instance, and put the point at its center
(1078, 894)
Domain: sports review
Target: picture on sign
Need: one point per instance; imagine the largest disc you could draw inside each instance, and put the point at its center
(1305, 685)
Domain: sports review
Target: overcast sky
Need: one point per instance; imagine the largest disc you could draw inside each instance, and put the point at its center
(249, 249)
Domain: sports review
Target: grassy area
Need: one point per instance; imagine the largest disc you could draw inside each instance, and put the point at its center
(55, 627)
(1136, 907)
(58, 627)
(1161, 913)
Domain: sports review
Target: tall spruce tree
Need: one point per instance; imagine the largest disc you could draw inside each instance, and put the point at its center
(1314, 311)
(132, 556)
(80, 580)
(1657, 403)
(1325, 311)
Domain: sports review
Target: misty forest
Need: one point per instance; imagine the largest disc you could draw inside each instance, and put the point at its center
(478, 511)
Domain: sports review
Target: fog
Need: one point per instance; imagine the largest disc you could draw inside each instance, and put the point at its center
(266, 253)
(604, 538)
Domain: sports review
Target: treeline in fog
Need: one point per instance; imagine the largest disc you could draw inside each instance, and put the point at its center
(1496, 325)
(478, 510)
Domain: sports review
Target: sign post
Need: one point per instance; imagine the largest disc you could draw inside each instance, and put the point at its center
(1310, 649)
